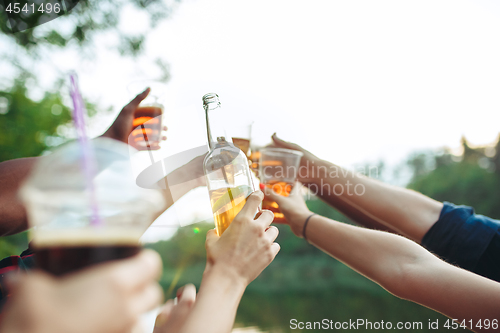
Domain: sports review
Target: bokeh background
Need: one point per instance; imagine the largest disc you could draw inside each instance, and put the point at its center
(410, 88)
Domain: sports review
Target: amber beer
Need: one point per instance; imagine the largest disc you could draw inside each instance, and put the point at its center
(243, 144)
(281, 188)
(61, 252)
(226, 204)
(147, 125)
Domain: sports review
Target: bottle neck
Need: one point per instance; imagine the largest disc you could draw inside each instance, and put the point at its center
(216, 131)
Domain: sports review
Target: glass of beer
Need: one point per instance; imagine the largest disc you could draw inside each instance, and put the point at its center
(77, 223)
(242, 135)
(278, 171)
(147, 125)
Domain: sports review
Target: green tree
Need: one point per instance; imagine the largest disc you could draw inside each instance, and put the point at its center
(470, 179)
(87, 20)
(28, 127)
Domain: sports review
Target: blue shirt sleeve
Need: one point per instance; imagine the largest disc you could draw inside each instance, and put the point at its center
(467, 240)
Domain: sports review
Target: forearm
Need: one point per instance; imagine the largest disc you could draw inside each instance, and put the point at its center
(378, 255)
(183, 179)
(408, 271)
(216, 303)
(375, 204)
(453, 291)
(12, 213)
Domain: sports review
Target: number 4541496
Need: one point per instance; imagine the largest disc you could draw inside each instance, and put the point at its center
(31, 9)
(481, 324)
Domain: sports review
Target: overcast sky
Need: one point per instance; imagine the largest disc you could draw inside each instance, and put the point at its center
(353, 81)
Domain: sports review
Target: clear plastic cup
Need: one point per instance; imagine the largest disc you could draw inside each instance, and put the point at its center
(147, 125)
(82, 214)
(278, 171)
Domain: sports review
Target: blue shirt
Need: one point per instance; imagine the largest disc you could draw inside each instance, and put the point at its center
(467, 240)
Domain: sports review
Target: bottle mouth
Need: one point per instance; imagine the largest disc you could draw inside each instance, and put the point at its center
(211, 99)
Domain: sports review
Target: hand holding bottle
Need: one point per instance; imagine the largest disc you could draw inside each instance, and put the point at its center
(247, 246)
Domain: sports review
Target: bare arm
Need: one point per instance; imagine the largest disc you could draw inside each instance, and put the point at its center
(12, 212)
(398, 264)
(12, 174)
(216, 304)
(365, 200)
(233, 261)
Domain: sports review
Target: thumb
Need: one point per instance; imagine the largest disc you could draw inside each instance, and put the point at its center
(211, 238)
(284, 144)
(270, 194)
(132, 106)
(165, 313)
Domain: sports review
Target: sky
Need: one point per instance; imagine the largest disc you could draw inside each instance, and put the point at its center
(352, 81)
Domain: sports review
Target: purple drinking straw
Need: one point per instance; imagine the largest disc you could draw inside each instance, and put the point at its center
(88, 160)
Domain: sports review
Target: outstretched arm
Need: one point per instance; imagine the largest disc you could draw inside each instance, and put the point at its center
(12, 212)
(233, 261)
(366, 200)
(398, 264)
(14, 172)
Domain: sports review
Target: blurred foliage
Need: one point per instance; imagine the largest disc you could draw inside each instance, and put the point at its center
(13, 245)
(472, 178)
(27, 127)
(79, 30)
(88, 18)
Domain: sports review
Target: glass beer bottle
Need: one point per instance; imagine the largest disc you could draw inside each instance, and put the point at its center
(227, 174)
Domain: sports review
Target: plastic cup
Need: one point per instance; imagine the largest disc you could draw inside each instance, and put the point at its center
(278, 171)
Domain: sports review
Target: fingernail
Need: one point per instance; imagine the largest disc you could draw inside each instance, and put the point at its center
(262, 186)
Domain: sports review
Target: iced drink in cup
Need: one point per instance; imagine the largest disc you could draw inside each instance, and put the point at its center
(147, 125)
(242, 136)
(74, 226)
(278, 172)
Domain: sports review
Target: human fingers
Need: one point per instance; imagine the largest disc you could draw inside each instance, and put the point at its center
(296, 189)
(153, 146)
(186, 295)
(165, 313)
(173, 315)
(265, 218)
(275, 248)
(212, 237)
(285, 144)
(132, 106)
(132, 273)
(272, 233)
(147, 299)
(272, 195)
(252, 204)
